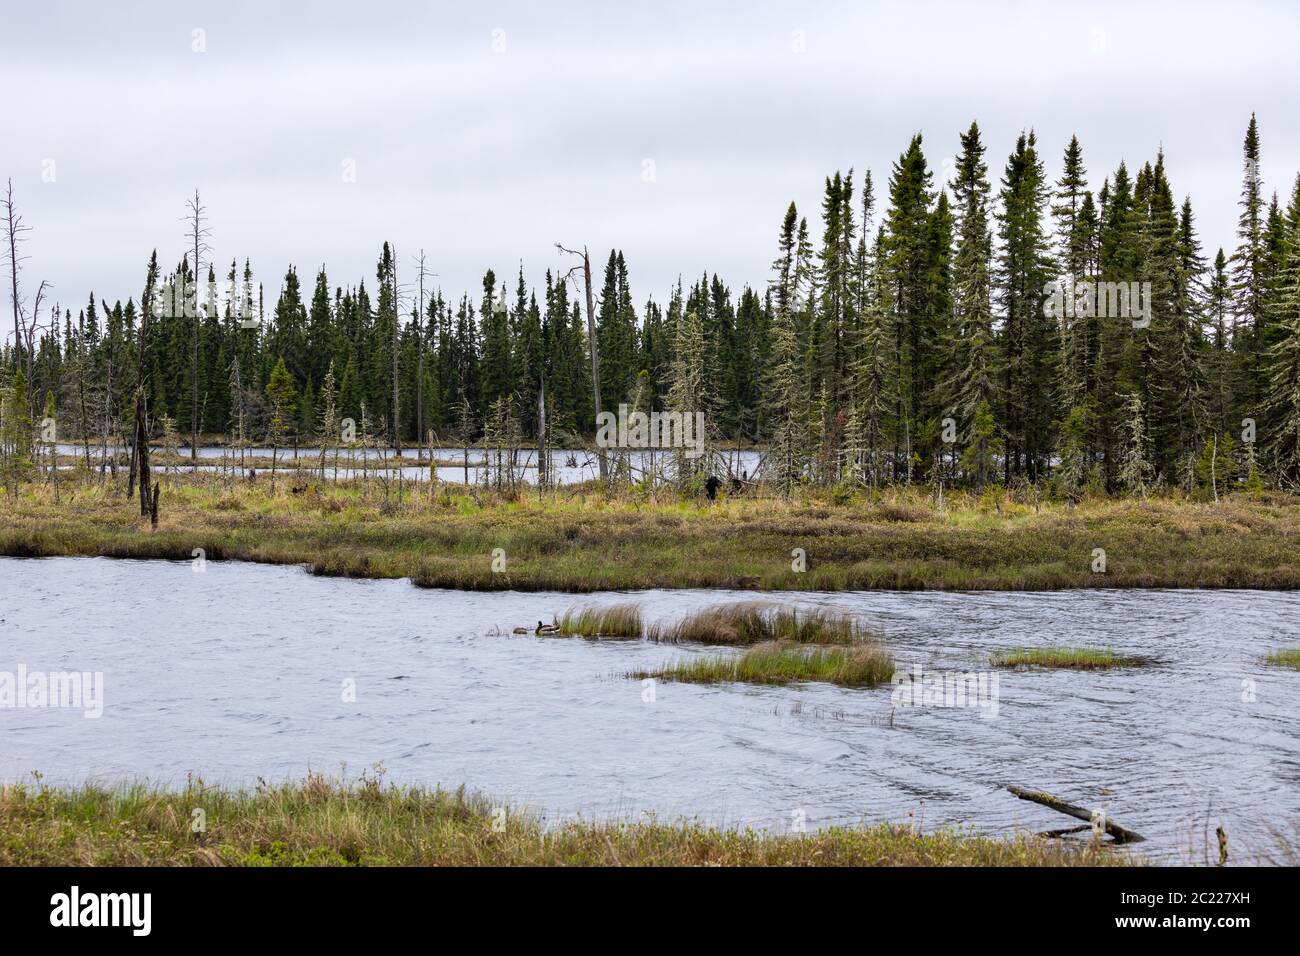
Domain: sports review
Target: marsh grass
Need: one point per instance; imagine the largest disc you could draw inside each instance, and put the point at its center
(620, 621)
(1287, 657)
(860, 665)
(756, 622)
(582, 538)
(1074, 658)
(321, 823)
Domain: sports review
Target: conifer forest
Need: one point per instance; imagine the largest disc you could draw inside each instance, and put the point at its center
(852, 434)
(905, 334)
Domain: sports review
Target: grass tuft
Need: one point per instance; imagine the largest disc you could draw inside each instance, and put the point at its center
(619, 621)
(754, 622)
(1074, 658)
(1287, 657)
(862, 665)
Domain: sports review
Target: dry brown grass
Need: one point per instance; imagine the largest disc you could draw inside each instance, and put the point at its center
(756, 622)
(581, 540)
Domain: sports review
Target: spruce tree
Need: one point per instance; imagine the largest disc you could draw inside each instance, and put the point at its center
(974, 360)
(1029, 338)
(1283, 397)
(1248, 275)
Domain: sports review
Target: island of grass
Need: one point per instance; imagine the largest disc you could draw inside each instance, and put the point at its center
(619, 622)
(783, 646)
(784, 663)
(1070, 658)
(321, 823)
(757, 622)
(1287, 657)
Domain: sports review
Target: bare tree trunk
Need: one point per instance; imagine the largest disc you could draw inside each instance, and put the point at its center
(419, 370)
(140, 441)
(595, 360)
(397, 338)
(198, 233)
(13, 226)
(543, 446)
(1214, 457)
(591, 342)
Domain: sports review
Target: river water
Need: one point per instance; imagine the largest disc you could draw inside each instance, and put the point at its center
(243, 671)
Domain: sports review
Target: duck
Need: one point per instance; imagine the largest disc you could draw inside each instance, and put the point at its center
(547, 628)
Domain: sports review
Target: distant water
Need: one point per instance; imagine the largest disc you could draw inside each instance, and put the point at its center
(568, 466)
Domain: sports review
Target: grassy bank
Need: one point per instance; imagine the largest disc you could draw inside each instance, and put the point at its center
(582, 540)
(318, 823)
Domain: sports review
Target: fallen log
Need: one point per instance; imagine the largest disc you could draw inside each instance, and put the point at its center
(1066, 832)
(1118, 833)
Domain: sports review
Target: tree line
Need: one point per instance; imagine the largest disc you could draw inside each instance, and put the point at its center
(915, 345)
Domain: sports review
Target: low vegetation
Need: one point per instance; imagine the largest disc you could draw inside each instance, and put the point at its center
(753, 622)
(580, 539)
(619, 621)
(1074, 658)
(1287, 657)
(863, 665)
(320, 823)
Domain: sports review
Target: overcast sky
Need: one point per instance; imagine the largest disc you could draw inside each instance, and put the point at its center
(678, 132)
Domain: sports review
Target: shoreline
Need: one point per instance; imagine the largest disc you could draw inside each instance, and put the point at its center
(319, 822)
(581, 541)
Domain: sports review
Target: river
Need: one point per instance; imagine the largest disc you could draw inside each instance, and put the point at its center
(242, 671)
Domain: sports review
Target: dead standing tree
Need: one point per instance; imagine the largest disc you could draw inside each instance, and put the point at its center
(420, 434)
(585, 267)
(31, 326)
(397, 344)
(198, 234)
(14, 236)
(14, 230)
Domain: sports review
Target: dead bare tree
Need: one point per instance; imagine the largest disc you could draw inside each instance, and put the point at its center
(397, 340)
(198, 235)
(31, 325)
(14, 230)
(585, 268)
(419, 353)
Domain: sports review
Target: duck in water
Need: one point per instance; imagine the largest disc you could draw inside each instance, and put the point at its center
(547, 628)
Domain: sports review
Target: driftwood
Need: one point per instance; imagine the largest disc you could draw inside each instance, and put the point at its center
(1117, 832)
